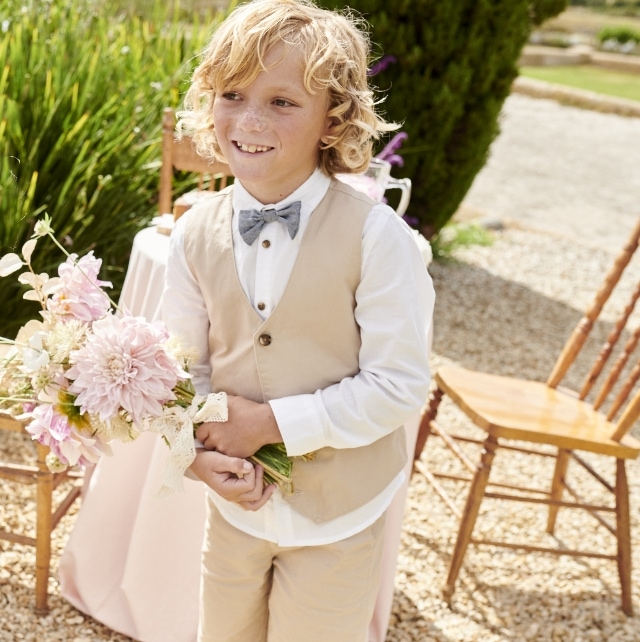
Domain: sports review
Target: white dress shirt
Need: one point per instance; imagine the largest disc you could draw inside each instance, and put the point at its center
(394, 305)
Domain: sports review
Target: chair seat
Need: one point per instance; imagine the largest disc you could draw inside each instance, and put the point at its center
(531, 411)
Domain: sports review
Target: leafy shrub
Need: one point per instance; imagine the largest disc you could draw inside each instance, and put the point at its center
(621, 34)
(81, 95)
(455, 65)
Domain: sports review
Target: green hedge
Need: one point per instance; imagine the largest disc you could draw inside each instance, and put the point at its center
(455, 62)
(82, 90)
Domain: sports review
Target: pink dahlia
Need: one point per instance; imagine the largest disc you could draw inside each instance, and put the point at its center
(52, 428)
(124, 364)
(80, 294)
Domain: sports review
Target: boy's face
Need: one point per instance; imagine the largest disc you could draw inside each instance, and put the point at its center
(269, 131)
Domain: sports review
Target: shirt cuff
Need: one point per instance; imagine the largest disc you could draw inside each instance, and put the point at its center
(299, 423)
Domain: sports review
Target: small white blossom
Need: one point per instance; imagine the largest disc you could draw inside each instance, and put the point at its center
(42, 227)
(65, 337)
(27, 249)
(9, 263)
(34, 356)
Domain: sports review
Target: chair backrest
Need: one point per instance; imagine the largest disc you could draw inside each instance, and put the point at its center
(180, 154)
(616, 387)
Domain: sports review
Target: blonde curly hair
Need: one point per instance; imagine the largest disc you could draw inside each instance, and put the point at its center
(335, 47)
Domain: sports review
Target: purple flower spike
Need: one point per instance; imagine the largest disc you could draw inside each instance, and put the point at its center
(381, 65)
(395, 159)
(388, 153)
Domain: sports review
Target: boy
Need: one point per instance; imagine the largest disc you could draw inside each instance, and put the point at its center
(309, 304)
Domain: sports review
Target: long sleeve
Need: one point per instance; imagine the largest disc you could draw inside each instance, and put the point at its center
(394, 306)
(184, 310)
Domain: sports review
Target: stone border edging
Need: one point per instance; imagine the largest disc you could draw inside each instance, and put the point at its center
(575, 97)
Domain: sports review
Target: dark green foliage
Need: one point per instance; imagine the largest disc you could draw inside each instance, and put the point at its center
(455, 65)
(81, 97)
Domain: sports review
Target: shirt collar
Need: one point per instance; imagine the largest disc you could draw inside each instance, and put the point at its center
(310, 193)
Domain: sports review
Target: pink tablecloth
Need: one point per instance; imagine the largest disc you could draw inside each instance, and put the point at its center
(133, 560)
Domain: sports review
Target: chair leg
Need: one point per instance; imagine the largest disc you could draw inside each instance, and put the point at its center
(557, 487)
(469, 515)
(44, 502)
(623, 535)
(425, 424)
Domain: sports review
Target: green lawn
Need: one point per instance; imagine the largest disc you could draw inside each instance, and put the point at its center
(602, 81)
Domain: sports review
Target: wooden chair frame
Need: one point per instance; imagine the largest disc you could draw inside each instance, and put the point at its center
(485, 400)
(180, 154)
(46, 517)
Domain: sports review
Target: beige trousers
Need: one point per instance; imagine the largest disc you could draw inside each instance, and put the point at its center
(255, 591)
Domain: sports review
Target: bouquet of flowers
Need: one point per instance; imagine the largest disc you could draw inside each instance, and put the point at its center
(86, 373)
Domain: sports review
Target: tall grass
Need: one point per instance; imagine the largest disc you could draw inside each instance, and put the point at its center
(82, 89)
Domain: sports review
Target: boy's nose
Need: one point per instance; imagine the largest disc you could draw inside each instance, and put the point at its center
(252, 120)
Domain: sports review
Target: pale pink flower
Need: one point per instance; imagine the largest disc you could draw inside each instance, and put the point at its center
(80, 293)
(52, 429)
(124, 364)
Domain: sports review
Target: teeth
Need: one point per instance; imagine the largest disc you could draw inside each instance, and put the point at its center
(252, 149)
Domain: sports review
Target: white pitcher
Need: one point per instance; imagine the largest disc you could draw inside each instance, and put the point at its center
(376, 180)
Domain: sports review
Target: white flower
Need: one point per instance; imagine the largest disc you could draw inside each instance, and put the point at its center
(34, 356)
(180, 353)
(43, 227)
(27, 249)
(9, 263)
(41, 283)
(64, 337)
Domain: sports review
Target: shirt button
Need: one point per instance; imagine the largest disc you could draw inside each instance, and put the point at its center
(261, 306)
(266, 243)
(264, 339)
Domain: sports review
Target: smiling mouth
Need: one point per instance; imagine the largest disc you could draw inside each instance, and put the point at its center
(251, 149)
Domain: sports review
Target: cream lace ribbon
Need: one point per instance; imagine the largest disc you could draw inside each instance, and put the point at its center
(175, 426)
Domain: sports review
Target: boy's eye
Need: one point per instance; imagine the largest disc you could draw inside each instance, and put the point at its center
(281, 102)
(231, 95)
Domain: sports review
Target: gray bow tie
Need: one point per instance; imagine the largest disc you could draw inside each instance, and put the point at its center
(252, 221)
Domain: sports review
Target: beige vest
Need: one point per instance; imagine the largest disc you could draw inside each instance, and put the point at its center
(310, 341)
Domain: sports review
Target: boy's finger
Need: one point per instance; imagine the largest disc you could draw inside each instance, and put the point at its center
(259, 503)
(236, 465)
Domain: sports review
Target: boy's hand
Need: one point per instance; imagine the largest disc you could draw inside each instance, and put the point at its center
(250, 426)
(234, 479)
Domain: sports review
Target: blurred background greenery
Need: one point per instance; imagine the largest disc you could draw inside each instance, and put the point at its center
(82, 88)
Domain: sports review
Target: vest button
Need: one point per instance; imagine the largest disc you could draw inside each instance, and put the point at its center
(266, 243)
(264, 339)
(261, 306)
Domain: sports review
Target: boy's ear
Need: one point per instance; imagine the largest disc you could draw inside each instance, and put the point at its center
(328, 132)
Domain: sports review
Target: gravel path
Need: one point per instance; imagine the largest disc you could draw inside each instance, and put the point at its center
(570, 171)
(563, 181)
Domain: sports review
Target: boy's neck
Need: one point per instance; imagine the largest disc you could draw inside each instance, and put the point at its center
(279, 198)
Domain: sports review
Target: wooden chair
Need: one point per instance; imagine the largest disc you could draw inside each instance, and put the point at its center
(180, 154)
(547, 415)
(47, 517)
